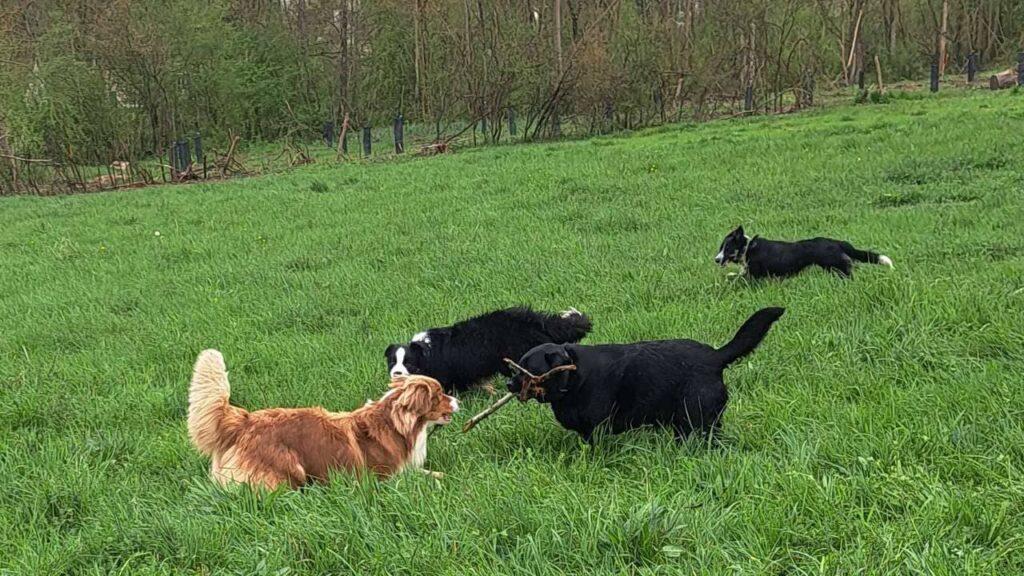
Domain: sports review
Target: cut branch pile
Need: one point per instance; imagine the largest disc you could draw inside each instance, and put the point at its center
(434, 148)
(228, 164)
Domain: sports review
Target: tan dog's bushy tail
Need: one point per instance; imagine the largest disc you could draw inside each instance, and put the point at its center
(212, 421)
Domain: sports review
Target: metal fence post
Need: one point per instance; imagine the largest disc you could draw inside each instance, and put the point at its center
(972, 66)
(748, 99)
(1020, 68)
(366, 141)
(329, 134)
(935, 74)
(511, 122)
(198, 141)
(182, 158)
(399, 134)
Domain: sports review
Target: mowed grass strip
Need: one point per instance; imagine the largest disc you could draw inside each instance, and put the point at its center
(878, 429)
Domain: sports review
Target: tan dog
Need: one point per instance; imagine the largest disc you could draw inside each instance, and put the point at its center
(295, 446)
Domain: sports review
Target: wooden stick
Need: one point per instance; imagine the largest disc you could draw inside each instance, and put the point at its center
(494, 408)
(29, 160)
(532, 381)
(230, 157)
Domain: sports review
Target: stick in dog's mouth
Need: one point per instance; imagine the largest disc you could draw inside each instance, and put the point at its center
(530, 385)
(532, 382)
(491, 410)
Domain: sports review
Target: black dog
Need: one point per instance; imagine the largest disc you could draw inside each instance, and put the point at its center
(470, 351)
(760, 257)
(675, 383)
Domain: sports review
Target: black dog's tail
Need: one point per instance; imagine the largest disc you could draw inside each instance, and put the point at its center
(749, 335)
(865, 255)
(569, 326)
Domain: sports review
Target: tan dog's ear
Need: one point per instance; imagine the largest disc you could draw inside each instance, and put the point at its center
(412, 403)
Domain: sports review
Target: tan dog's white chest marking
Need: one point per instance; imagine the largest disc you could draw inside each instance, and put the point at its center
(419, 449)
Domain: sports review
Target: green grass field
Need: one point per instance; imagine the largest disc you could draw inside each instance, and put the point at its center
(879, 428)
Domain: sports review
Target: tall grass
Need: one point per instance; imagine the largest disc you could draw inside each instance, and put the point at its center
(879, 428)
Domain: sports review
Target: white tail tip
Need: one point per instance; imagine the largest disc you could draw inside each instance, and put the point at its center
(211, 357)
(885, 261)
(571, 312)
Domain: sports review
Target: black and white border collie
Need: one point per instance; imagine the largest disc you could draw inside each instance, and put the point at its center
(468, 352)
(667, 383)
(761, 258)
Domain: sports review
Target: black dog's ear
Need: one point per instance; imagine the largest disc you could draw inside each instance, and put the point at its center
(390, 350)
(560, 356)
(418, 346)
(570, 351)
(739, 231)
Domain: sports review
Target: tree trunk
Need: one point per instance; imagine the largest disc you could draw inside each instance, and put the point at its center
(303, 32)
(342, 21)
(418, 54)
(473, 99)
(878, 73)
(889, 14)
(342, 136)
(352, 61)
(691, 7)
(558, 34)
(574, 18)
(941, 47)
(849, 71)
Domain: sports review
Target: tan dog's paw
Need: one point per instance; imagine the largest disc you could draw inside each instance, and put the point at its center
(489, 388)
(434, 475)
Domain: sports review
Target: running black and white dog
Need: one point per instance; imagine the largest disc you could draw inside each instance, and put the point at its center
(470, 351)
(761, 257)
(667, 383)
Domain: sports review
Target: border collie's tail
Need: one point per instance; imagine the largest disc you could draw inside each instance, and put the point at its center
(569, 326)
(749, 335)
(212, 421)
(865, 255)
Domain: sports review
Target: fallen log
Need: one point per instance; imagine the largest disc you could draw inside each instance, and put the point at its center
(1004, 79)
